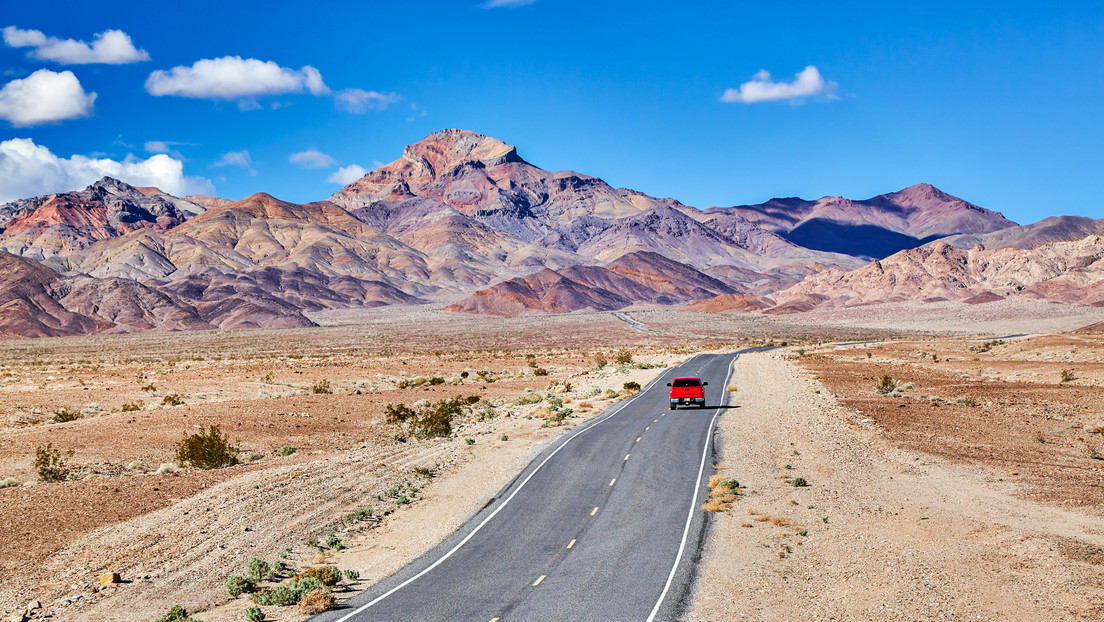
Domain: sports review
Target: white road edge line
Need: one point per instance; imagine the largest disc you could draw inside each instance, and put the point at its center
(694, 502)
(499, 508)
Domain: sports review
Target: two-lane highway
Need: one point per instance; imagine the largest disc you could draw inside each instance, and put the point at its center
(602, 525)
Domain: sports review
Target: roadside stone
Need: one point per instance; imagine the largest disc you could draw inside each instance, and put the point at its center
(110, 578)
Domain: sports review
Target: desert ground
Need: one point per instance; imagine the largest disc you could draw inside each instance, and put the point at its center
(973, 488)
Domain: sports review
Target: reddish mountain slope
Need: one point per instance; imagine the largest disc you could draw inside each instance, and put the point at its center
(635, 278)
(1067, 272)
(61, 224)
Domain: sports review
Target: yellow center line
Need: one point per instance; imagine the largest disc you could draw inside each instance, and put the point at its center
(656, 421)
(627, 456)
(571, 544)
(495, 619)
(538, 581)
(594, 511)
(612, 481)
(663, 415)
(647, 428)
(638, 438)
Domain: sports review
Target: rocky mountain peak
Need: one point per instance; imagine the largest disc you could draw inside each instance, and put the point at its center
(109, 186)
(444, 151)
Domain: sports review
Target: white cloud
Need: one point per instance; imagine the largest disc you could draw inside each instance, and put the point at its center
(493, 4)
(111, 47)
(44, 97)
(807, 82)
(359, 101)
(234, 77)
(347, 174)
(236, 158)
(312, 158)
(28, 170)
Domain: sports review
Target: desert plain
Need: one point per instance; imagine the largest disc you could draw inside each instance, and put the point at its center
(951, 456)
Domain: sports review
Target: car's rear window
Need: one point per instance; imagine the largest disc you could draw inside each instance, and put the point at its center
(687, 382)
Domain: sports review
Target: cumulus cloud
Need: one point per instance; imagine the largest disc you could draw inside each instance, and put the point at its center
(110, 47)
(44, 97)
(347, 174)
(236, 158)
(312, 158)
(359, 101)
(234, 77)
(494, 4)
(28, 169)
(807, 83)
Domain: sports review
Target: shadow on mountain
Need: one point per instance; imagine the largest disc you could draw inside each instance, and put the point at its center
(869, 241)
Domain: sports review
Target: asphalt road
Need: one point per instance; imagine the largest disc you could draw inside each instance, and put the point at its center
(605, 524)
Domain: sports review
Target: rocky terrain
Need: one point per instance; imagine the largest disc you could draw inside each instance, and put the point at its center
(463, 220)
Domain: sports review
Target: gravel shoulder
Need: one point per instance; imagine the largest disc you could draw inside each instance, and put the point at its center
(890, 533)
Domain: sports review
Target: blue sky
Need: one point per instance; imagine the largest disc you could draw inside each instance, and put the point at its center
(998, 103)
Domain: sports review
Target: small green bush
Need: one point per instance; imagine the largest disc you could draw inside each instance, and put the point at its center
(237, 585)
(799, 482)
(257, 570)
(206, 449)
(322, 387)
(540, 371)
(286, 450)
(505, 437)
(632, 387)
(334, 542)
(287, 594)
(50, 464)
(177, 614)
(436, 380)
(469, 441)
(351, 575)
(254, 614)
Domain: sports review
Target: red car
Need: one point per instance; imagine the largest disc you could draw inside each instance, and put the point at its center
(687, 391)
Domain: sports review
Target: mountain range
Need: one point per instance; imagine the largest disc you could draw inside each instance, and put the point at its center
(461, 219)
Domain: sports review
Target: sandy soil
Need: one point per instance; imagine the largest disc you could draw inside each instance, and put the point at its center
(890, 527)
(175, 537)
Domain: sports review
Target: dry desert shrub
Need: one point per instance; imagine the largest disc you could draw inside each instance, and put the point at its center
(623, 356)
(328, 576)
(64, 415)
(1067, 375)
(173, 399)
(322, 387)
(318, 601)
(50, 464)
(722, 493)
(206, 449)
(887, 385)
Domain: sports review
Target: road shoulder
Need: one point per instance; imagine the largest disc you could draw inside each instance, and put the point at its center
(888, 534)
